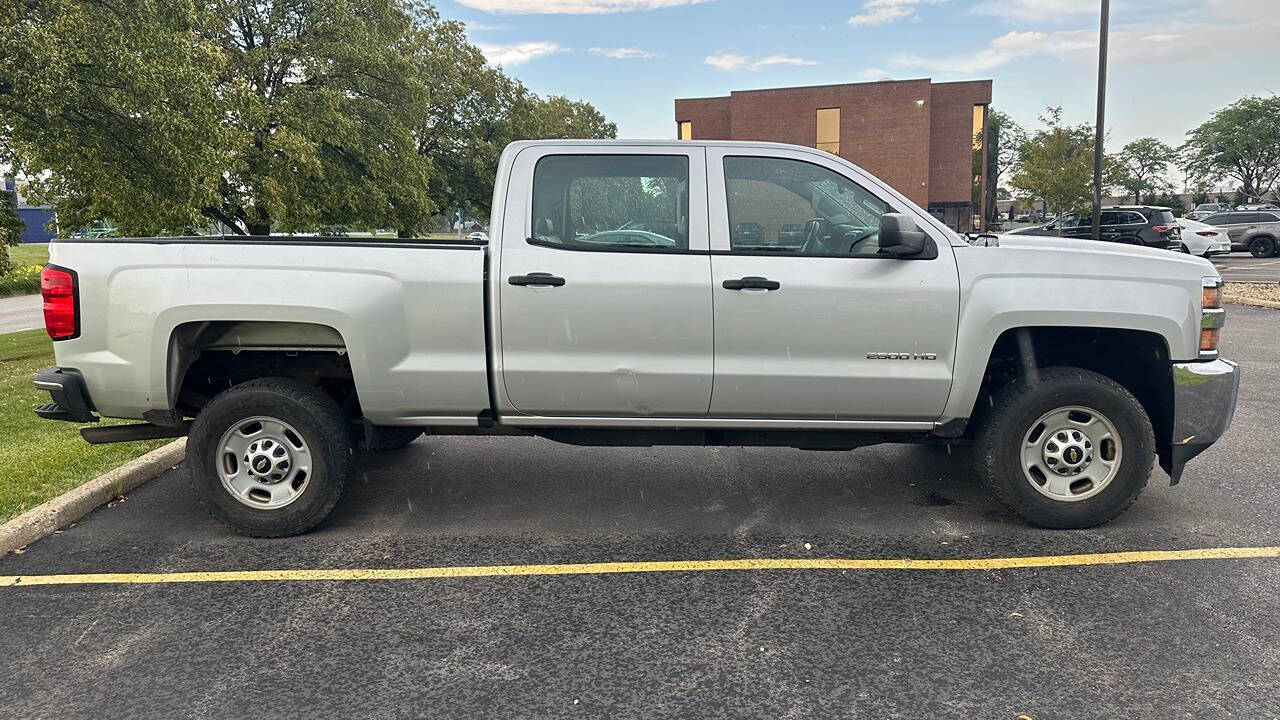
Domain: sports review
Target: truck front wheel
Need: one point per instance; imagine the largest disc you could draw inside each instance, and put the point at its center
(1071, 449)
(270, 457)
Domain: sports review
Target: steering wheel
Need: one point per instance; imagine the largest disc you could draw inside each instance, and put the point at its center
(813, 236)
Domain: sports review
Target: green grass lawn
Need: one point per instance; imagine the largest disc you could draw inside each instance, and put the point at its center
(41, 459)
(33, 254)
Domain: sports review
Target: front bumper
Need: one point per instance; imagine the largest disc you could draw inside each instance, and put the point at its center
(1204, 400)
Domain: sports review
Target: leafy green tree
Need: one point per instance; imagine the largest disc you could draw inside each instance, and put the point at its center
(1241, 142)
(1169, 200)
(292, 115)
(11, 227)
(321, 95)
(1004, 137)
(1055, 165)
(110, 109)
(1141, 166)
(472, 110)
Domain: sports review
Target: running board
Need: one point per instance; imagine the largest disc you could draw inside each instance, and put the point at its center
(129, 433)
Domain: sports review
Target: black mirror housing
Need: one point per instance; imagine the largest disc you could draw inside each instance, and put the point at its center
(900, 237)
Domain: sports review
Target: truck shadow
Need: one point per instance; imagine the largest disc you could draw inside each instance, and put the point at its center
(533, 486)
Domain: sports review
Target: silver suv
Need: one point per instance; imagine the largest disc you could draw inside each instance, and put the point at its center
(1204, 210)
(1257, 231)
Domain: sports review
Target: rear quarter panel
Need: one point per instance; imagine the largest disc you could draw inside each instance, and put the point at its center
(411, 317)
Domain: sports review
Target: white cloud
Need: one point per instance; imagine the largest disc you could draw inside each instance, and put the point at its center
(1133, 44)
(880, 12)
(518, 53)
(571, 7)
(483, 27)
(624, 53)
(1037, 11)
(728, 62)
(875, 73)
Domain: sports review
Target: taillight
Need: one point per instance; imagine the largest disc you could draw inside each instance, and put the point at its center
(61, 302)
(1207, 233)
(1162, 228)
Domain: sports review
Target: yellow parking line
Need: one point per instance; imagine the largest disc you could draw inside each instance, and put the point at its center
(607, 568)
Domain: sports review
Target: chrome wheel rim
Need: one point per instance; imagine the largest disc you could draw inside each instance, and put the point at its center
(264, 463)
(1071, 453)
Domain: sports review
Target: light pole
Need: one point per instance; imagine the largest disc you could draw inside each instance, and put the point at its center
(1098, 130)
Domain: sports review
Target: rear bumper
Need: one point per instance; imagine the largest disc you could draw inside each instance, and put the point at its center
(66, 389)
(1204, 400)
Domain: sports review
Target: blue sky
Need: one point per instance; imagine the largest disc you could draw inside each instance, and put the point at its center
(1173, 62)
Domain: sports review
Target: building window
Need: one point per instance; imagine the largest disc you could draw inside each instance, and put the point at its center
(686, 130)
(829, 130)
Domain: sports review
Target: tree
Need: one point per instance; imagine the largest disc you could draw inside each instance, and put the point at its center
(109, 109)
(1055, 165)
(1241, 142)
(292, 115)
(1169, 200)
(1142, 165)
(11, 227)
(472, 110)
(1004, 137)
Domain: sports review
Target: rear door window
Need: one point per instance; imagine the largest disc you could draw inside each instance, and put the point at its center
(612, 202)
(1218, 220)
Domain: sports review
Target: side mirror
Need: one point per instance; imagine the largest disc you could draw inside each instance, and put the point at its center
(899, 236)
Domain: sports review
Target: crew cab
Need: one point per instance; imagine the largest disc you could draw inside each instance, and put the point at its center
(643, 293)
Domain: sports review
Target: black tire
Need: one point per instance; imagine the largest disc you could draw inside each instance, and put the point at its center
(386, 437)
(1012, 415)
(1262, 247)
(320, 424)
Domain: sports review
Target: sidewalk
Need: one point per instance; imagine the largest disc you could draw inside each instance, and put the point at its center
(20, 313)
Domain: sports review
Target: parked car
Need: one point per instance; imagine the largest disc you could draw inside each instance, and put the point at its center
(1204, 210)
(1130, 224)
(669, 228)
(1257, 206)
(1203, 240)
(1069, 366)
(1254, 230)
(478, 236)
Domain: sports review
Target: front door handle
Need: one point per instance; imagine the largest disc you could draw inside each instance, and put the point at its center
(751, 283)
(538, 279)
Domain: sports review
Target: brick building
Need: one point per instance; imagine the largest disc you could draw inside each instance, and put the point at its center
(916, 135)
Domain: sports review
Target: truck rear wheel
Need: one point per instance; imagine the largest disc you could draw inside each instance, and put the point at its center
(270, 457)
(1071, 450)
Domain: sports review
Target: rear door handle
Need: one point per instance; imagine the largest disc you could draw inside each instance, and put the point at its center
(751, 283)
(538, 279)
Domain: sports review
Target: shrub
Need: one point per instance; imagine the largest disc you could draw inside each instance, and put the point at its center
(21, 281)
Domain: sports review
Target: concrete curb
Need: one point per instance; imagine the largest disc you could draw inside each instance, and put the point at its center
(1240, 300)
(75, 504)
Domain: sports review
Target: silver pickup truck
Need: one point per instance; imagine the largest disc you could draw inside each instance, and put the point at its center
(644, 293)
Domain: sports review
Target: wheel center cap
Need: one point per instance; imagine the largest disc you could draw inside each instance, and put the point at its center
(268, 460)
(1073, 455)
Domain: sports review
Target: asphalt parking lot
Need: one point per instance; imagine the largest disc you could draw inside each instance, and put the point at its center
(1191, 638)
(1243, 267)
